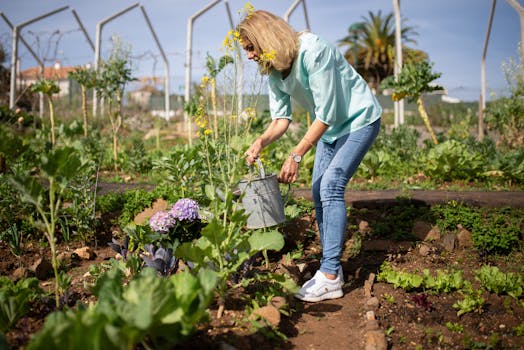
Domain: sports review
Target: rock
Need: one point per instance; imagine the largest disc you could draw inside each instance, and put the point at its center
(269, 313)
(421, 229)
(42, 269)
(464, 237)
(19, 274)
(376, 340)
(449, 242)
(144, 216)
(433, 234)
(63, 258)
(424, 250)
(372, 303)
(363, 228)
(85, 253)
(278, 302)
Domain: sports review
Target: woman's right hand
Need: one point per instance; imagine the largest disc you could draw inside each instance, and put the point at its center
(253, 152)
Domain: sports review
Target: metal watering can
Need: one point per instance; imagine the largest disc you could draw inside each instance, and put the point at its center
(262, 199)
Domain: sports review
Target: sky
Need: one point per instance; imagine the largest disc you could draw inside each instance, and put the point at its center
(451, 32)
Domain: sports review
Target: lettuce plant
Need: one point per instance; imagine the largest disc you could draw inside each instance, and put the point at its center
(14, 300)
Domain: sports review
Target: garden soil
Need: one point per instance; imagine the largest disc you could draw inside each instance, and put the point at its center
(403, 321)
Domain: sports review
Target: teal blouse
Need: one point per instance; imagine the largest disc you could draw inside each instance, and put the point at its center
(323, 82)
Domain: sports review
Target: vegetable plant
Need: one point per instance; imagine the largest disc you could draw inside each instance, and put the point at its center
(413, 81)
(87, 80)
(58, 168)
(48, 88)
(15, 298)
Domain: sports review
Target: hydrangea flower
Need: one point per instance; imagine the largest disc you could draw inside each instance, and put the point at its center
(185, 209)
(162, 222)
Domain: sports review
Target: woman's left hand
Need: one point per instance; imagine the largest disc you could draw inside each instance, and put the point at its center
(289, 171)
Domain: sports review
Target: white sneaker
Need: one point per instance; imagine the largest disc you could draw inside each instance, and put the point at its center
(321, 288)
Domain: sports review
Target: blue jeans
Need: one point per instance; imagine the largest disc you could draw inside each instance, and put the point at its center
(335, 164)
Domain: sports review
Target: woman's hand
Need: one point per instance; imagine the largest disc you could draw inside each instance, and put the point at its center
(253, 152)
(289, 171)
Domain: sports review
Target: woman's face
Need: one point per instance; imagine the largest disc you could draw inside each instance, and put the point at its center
(251, 53)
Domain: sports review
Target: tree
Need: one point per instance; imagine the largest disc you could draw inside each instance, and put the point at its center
(375, 47)
(413, 81)
(48, 88)
(111, 82)
(87, 80)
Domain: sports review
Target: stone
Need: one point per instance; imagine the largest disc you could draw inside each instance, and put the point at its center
(20, 273)
(372, 303)
(464, 237)
(421, 229)
(363, 228)
(449, 242)
(433, 234)
(376, 340)
(42, 269)
(278, 302)
(269, 313)
(424, 250)
(144, 216)
(85, 253)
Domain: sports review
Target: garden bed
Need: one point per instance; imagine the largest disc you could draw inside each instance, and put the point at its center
(418, 319)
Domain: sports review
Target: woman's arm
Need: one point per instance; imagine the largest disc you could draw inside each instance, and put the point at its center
(274, 131)
(289, 171)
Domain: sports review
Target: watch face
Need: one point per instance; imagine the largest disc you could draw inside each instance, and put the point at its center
(297, 158)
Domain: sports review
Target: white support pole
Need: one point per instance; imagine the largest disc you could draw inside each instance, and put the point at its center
(399, 105)
(166, 63)
(14, 58)
(482, 102)
(99, 27)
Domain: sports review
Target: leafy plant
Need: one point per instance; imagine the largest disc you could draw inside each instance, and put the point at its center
(87, 80)
(48, 88)
(452, 160)
(499, 282)
(224, 248)
(58, 168)
(472, 302)
(496, 235)
(151, 311)
(161, 259)
(413, 81)
(15, 299)
(454, 327)
(110, 84)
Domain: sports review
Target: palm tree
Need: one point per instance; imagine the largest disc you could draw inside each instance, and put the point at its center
(375, 47)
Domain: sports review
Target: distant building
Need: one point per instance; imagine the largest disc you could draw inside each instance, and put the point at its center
(56, 73)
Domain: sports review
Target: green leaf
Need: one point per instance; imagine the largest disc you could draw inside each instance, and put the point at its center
(272, 240)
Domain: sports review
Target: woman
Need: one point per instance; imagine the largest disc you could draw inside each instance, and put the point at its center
(345, 120)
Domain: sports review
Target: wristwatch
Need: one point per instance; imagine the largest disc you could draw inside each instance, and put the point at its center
(296, 157)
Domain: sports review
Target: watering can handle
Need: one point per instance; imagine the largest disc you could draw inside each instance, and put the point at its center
(260, 168)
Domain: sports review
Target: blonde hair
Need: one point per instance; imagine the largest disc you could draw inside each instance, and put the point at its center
(273, 36)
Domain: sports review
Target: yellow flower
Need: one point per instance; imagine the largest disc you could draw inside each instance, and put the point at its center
(268, 56)
(207, 131)
(247, 10)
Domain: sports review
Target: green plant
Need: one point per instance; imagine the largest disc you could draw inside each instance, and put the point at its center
(413, 81)
(151, 311)
(13, 236)
(48, 88)
(15, 299)
(58, 168)
(454, 327)
(110, 84)
(452, 160)
(519, 330)
(87, 80)
(505, 113)
(499, 282)
(472, 302)
(496, 235)
(225, 247)
(453, 213)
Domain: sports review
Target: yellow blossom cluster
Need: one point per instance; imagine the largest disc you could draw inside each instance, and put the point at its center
(268, 56)
(232, 37)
